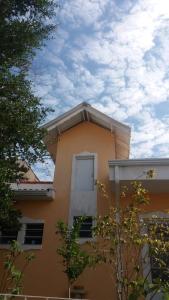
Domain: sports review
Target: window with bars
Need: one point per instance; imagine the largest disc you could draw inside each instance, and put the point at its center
(7, 236)
(160, 261)
(86, 227)
(33, 234)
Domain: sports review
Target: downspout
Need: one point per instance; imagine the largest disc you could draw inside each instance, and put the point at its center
(117, 187)
(116, 143)
(113, 132)
(117, 206)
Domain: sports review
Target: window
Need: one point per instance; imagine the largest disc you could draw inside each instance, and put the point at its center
(7, 236)
(86, 227)
(29, 236)
(33, 234)
(159, 262)
(158, 271)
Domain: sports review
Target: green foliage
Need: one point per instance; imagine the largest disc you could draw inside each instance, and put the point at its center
(165, 295)
(12, 276)
(23, 27)
(9, 215)
(75, 259)
(21, 114)
(126, 241)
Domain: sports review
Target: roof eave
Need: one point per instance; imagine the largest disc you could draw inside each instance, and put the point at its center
(88, 108)
(34, 195)
(138, 162)
(85, 112)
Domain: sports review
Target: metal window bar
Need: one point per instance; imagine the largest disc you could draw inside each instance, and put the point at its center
(86, 226)
(156, 270)
(7, 236)
(33, 233)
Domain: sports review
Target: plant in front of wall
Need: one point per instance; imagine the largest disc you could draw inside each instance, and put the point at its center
(11, 277)
(128, 242)
(74, 258)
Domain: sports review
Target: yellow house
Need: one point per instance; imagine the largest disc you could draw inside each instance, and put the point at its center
(85, 145)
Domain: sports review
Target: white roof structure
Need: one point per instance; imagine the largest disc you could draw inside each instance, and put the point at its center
(85, 112)
(126, 171)
(33, 190)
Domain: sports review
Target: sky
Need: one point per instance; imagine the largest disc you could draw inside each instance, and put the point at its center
(113, 54)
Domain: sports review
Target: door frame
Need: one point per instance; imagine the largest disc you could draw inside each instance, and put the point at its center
(83, 155)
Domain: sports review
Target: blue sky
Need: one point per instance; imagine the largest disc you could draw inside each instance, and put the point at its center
(113, 54)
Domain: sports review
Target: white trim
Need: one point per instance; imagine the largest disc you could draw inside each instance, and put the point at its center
(72, 210)
(64, 115)
(33, 186)
(138, 162)
(37, 191)
(89, 109)
(139, 169)
(27, 220)
(76, 116)
(84, 155)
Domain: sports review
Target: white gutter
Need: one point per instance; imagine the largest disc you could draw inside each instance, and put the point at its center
(37, 191)
(138, 162)
(44, 194)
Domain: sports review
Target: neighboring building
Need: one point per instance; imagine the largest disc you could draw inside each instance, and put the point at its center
(85, 145)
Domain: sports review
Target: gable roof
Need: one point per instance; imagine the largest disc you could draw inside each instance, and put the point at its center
(85, 112)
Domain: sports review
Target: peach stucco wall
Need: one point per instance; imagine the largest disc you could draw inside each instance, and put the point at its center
(29, 175)
(45, 274)
(85, 137)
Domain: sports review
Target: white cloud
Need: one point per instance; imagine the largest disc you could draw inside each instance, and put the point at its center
(44, 171)
(151, 133)
(81, 12)
(116, 57)
(106, 107)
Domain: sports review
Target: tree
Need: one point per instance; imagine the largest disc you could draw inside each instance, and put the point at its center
(20, 117)
(23, 27)
(128, 242)
(75, 259)
(12, 276)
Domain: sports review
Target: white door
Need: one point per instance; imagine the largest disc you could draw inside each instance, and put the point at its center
(84, 174)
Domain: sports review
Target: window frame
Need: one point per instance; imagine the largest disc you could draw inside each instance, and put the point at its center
(85, 237)
(84, 156)
(8, 236)
(31, 236)
(22, 232)
(153, 264)
(89, 205)
(147, 217)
